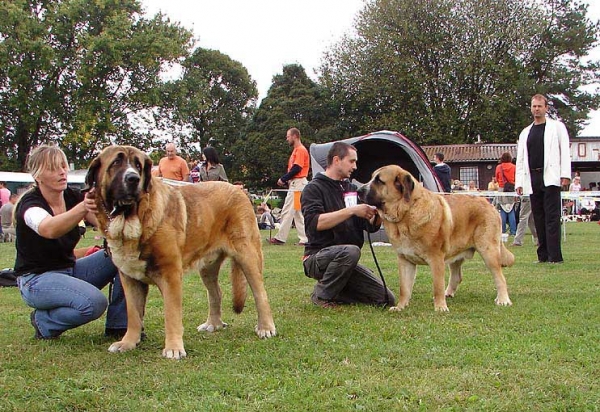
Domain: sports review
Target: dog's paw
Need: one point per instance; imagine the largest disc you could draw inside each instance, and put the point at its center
(121, 346)
(175, 353)
(210, 327)
(396, 308)
(442, 308)
(265, 333)
(503, 302)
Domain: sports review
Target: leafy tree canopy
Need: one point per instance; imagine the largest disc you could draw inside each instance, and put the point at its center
(293, 100)
(211, 104)
(446, 71)
(75, 71)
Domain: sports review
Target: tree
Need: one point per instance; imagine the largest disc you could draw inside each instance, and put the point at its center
(76, 71)
(293, 100)
(442, 71)
(210, 104)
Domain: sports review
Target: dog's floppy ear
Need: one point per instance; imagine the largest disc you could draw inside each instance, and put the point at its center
(92, 175)
(147, 173)
(405, 185)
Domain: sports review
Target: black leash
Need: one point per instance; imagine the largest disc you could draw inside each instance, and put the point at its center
(387, 296)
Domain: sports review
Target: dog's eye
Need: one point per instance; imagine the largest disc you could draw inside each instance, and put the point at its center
(378, 180)
(117, 162)
(138, 166)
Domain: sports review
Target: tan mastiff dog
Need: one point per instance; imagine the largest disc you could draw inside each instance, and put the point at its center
(156, 232)
(427, 228)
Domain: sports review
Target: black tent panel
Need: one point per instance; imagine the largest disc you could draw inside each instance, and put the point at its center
(380, 149)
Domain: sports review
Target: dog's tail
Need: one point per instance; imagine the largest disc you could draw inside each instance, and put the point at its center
(239, 287)
(507, 259)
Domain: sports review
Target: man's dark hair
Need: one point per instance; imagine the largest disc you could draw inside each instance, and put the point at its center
(440, 156)
(339, 149)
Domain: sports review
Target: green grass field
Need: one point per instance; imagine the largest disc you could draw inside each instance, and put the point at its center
(541, 354)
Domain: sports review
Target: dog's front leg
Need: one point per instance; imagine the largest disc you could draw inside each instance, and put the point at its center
(136, 293)
(407, 272)
(171, 289)
(438, 270)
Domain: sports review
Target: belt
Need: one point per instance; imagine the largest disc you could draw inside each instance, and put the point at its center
(537, 169)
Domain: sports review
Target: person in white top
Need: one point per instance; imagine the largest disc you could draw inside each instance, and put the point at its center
(543, 166)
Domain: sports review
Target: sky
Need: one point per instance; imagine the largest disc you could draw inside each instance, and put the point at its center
(265, 35)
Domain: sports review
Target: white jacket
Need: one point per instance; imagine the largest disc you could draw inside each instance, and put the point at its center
(557, 156)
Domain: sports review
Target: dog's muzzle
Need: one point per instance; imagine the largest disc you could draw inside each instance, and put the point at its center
(125, 194)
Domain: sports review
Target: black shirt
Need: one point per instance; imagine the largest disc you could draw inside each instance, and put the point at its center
(325, 195)
(535, 146)
(36, 254)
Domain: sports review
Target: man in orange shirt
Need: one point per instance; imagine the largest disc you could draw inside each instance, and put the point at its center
(172, 166)
(296, 180)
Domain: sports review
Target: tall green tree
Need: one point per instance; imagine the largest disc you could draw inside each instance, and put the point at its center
(293, 100)
(77, 71)
(446, 71)
(211, 103)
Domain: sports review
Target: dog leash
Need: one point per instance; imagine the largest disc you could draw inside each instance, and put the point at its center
(387, 297)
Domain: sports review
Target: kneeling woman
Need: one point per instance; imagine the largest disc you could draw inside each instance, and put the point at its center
(64, 291)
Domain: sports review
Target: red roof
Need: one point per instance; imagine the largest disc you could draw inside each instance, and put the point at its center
(471, 152)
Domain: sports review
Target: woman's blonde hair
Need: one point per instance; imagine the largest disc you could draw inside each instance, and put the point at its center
(46, 157)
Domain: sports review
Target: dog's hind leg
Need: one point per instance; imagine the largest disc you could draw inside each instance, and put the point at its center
(209, 272)
(492, 258)
(455, 277)
(407, 272)
(250, 260)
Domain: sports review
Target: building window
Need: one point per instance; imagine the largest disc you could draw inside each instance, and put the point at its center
(581, 152)
(469, 173)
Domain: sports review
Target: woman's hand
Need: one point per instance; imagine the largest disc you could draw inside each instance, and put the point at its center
(89, 201)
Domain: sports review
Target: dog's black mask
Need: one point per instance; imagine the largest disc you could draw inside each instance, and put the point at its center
(125, 172)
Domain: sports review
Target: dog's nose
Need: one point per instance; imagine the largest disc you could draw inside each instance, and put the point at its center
(132, 178)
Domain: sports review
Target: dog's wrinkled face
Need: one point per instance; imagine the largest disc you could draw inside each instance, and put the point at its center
(120, 174)
(388, 184)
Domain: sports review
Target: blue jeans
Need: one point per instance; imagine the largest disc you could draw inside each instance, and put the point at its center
(512, 221)
(67, 298)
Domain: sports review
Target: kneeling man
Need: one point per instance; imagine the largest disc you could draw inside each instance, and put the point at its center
(334, 225)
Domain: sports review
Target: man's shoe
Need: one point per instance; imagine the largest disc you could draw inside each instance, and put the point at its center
(300, 244)
(327, 304)
(38, 334)
(541, 261)
(558, 262)
(275, 241)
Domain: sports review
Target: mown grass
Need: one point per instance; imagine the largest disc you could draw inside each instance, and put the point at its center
(540, 354)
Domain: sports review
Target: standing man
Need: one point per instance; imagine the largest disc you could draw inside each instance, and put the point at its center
(6, 217)
(172, 166)
(335, 223)
(442, 171)
(543, 166)
(296, 180)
